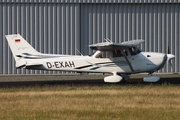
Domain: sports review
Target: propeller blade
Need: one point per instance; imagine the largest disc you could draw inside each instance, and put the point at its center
(170, 64)
(169, 58)
(168, 50)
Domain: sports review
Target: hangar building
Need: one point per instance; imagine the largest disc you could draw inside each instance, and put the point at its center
(62, 26)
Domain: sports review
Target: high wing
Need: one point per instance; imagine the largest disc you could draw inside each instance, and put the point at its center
(109, 45)
(105, 46)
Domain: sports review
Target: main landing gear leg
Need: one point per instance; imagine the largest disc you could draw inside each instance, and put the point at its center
(125, 78)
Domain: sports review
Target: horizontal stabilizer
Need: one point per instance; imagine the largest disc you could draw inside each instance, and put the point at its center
(21, 63)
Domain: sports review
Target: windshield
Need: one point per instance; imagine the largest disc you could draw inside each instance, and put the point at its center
(134, 50)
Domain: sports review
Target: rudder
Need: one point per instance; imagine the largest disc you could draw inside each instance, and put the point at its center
(20, 46)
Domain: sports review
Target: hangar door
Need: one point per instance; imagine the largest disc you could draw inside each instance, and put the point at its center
(157, 24)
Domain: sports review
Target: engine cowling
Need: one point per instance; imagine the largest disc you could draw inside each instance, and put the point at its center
(113, 79)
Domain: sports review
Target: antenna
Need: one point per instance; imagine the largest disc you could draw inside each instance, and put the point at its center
(79, 52)
(108, 40)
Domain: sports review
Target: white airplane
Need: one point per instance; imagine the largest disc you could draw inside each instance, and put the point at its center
(123, 59)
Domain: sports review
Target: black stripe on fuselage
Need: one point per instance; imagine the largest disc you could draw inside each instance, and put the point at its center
(92, 65)
(83, 67)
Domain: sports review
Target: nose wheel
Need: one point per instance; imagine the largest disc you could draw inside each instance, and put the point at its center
(151, 78)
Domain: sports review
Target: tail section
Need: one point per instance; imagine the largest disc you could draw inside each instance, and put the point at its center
(20, 47)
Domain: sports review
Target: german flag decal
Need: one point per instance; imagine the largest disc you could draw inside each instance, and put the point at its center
(17, 40)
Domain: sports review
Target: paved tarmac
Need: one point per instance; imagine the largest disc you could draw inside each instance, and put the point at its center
(93, 79)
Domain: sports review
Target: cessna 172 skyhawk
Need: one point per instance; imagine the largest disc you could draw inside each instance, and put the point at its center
(123, 59)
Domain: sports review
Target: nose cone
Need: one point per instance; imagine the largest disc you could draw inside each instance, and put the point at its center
(170, 56)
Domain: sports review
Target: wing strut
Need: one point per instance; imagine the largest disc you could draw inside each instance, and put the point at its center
(127, 60)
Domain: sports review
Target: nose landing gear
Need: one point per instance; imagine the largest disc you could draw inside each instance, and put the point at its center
(151, 78)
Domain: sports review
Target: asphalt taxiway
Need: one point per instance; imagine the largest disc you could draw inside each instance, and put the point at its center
(26, 80)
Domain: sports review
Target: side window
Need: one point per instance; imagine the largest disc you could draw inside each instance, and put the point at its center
(117, 53)
(125, 51)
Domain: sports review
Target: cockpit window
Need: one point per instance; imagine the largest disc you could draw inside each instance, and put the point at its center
(134, 50)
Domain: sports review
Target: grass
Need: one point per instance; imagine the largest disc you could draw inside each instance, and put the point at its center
(72, 102)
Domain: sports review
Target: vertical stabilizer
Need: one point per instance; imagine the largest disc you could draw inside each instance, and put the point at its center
(19, 46)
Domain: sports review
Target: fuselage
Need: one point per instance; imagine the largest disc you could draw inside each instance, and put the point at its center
(141, 62)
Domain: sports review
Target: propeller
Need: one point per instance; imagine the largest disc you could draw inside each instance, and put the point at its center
(169, 57)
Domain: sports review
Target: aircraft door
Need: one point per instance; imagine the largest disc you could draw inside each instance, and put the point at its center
(136, 59)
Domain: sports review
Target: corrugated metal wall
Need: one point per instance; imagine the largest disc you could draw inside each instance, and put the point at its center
(50, 28)
(157, 24)
(64, 27)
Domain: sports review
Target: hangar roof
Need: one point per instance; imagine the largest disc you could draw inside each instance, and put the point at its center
(90, 1)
